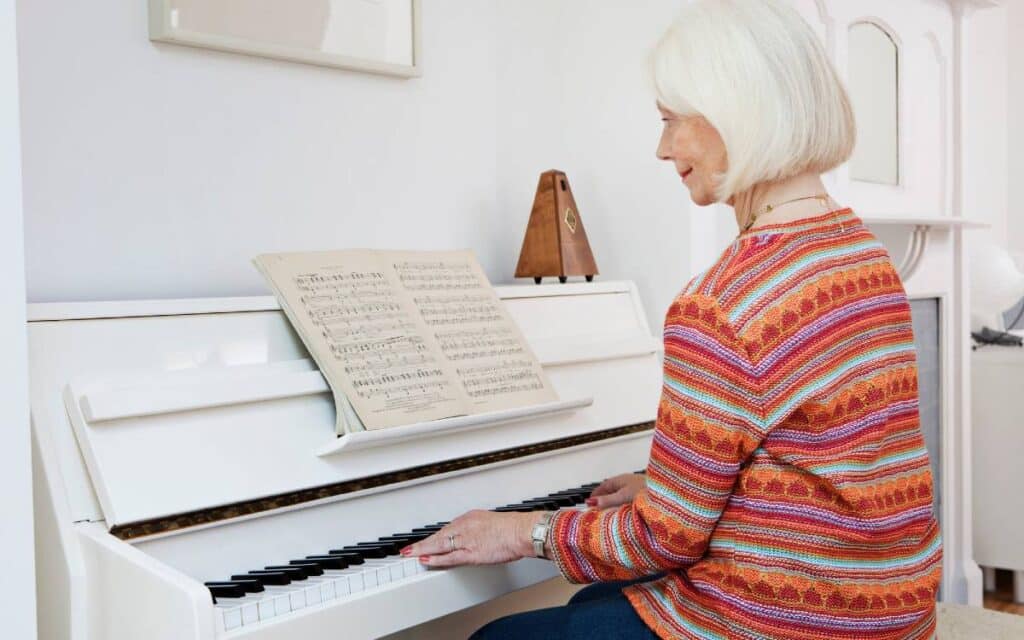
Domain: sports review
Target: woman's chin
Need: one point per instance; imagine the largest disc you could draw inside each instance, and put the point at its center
(701, 198)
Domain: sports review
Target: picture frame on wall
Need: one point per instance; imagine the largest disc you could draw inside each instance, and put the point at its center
(374, 36)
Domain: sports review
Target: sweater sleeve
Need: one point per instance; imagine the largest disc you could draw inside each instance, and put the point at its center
(709, 421)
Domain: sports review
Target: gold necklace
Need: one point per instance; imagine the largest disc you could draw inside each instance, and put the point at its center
(768, 208)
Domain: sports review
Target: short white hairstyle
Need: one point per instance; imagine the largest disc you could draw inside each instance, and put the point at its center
(759, 74)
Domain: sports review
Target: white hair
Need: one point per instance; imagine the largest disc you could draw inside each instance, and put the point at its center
(759, 74)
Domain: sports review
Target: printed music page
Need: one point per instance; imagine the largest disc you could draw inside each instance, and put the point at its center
(405, 337)
(469, 323)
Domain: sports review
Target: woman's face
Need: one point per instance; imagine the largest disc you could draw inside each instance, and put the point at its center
(696, 150)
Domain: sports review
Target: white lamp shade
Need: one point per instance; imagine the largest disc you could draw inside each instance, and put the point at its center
(996, 284)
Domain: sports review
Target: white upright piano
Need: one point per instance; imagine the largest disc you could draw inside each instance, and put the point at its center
(182, 442)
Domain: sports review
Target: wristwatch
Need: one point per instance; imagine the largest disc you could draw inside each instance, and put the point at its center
(539, 534)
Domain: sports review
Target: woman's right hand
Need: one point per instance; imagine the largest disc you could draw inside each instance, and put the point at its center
(617, 490)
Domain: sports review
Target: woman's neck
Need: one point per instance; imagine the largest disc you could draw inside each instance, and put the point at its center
(754, 201)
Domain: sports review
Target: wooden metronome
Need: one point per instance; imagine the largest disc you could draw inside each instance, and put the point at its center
(555, 242)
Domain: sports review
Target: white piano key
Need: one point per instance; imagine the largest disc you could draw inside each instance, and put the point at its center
(282, 603)
(397, 571)
(411, 567)
(342, 587)
(267, 608)
(232, 614)
(370, 578)
(250, 613)
(327, 590)
(312, 593)
(356, 581)
(384, 569)
(297, 597)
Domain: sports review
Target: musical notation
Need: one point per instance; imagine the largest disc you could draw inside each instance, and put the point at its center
(373, 336)
(436, 275)
(407, 336)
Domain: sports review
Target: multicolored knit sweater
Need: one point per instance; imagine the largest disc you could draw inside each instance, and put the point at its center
(788, 490)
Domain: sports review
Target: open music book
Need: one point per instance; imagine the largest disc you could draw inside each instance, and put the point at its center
(405, 336)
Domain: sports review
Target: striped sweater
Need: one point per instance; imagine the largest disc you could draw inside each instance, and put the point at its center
(788, 491)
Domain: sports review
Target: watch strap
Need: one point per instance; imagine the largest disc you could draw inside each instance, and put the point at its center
(539, 533)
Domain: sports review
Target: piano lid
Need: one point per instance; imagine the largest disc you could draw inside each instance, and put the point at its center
(156, 410)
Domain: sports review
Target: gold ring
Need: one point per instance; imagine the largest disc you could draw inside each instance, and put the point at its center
(451, 542)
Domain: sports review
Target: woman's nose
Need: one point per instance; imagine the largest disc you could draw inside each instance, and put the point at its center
(662, 151)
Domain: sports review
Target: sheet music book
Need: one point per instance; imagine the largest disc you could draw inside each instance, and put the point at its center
(405, 336)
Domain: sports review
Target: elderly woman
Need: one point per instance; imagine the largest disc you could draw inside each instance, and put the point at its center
(788, 492)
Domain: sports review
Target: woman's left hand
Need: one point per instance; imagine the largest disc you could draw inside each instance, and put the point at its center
(478, 537)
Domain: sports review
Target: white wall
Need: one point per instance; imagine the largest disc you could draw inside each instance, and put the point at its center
(155, 170)
(986, 122)
(1015, 125)
(159, 171)
(18, 575)
(573, 95)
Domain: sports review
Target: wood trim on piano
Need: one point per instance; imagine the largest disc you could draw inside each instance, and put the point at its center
(156, 526)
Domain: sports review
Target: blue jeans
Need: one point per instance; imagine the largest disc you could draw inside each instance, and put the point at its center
(597, 612)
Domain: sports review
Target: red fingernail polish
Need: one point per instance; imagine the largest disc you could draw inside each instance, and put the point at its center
(591, 502)
(405, 551)
(424, 559)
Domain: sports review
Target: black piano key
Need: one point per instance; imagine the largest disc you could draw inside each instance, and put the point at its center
(427, 530)
(275, 578)
(225, 590)
(295, 572)
(542, 505)
(325, 562)
(404, 540)
(251, 585)
(389, 546)
(307, 568)
(520, 508)
(572, 493)
(561, 501)
(350, 557)
(363, 552)
(573, 498)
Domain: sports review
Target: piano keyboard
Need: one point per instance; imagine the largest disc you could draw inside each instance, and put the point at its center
(275, 590)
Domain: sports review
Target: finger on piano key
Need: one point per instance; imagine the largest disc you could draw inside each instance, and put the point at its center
(277, 589)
